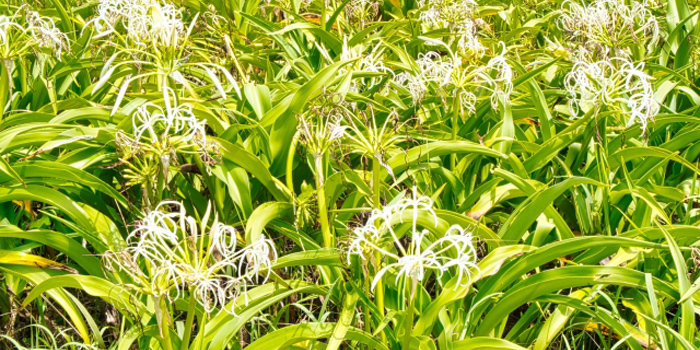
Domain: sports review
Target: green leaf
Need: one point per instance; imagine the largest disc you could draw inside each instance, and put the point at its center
(482, 343)
(283, 338)
(60, 242)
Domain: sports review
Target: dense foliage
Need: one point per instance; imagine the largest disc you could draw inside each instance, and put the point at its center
(307, 174)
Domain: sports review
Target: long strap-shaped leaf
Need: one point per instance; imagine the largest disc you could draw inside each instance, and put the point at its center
(525, 214)
(563, 278)
(344, 321)
(282, 338)
(479, 343)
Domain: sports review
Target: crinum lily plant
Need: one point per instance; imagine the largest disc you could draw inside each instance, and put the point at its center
(169, 255)
(414, 260)
(159, 134)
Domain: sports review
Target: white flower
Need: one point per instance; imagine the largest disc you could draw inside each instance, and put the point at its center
(414, 84)
(642, 108)
(373, 64)
(45, 32)
(610, 23)
(616, 83)
(260, 254)
(133, 12)
(468, 39)
(503, 82)
(6, 24)
(468, 100)
(433, 68)
(453, 251)
(159, 124)
(322, 124)
(146, 21)
(177, 256)
(166, 24)
(431, 17)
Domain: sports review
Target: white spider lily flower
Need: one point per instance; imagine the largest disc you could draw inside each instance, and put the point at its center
(642, 108)
(322, 125)
(503, 81)
(433, 68)
(46, 34)
(615, 83)
(145, 21)
(366, 238)
(6, 24)
(431, 17)
(468, 100)
(166, 25)
(133, 12)
(160, 124)
(414, 84)
(469, 40)
(221, 236)
(257, 256)
(373, 64)
(456, 16)
(452, 252)
(416, 204)
(210, 293)
(177, 256)
(610, 23)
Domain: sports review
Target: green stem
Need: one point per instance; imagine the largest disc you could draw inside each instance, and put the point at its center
(377, 201)
(23, 75)
(366, 313)
(202, 322)
(162, 318)
(146, 194)
(408, 322)
(376, 182)
(211, 185)
(604, 170)
(164, 161)
(379, 291)
(189, 321)
(455, 129)
(321, 196)
(290, 163)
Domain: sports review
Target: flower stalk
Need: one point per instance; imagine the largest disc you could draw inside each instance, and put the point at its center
(408, 322)
(321, 198)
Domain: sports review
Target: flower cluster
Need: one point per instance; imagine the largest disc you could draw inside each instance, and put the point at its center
(610, 23)
(459, 80)
(454, 251)
(373, 64)
(145, 21)
(365, 63)
(615, 83)
(166, 253)
(468, 38)
(167, 129)
(173, 120)
(7, 23)
(447, 13)
(502, 83)
(363, 10)
(321, 125)
(44, 31)
(457, 16)
(431, 68)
